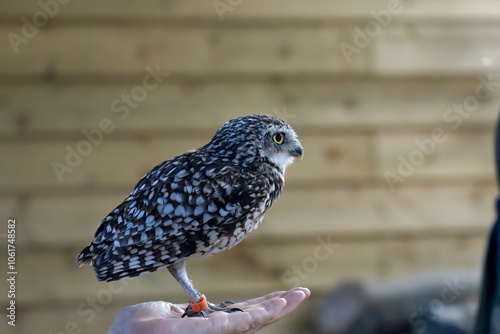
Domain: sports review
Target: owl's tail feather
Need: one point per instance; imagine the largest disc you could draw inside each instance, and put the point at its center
(86, 255)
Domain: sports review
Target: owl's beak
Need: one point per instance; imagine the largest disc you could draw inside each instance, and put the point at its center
(297, 151)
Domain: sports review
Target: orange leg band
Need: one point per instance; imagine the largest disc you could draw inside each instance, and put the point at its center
(201, 306)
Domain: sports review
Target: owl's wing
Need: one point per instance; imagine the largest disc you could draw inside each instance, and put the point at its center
(180, 206)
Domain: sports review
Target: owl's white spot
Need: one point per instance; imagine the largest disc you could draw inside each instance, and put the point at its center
(200, 200)
(150, 219)
(199, 210)
(212, 207)
(179, 211)
(206, 217)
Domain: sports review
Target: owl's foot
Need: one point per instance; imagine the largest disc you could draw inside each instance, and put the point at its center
(210, 308)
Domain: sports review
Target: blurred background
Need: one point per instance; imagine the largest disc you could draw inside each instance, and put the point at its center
(386, 217)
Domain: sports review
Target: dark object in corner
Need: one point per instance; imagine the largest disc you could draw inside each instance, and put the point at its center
(488, 316)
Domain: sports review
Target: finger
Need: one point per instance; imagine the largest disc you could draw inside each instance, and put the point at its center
(259, 300)
(177, 310)
(280, 294)
(293, 299)
(250, 320)
(306, 292)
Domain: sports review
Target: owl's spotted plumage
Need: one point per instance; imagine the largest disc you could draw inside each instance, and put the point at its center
(196, 204)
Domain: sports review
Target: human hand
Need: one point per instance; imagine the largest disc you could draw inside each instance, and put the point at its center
(163, 317)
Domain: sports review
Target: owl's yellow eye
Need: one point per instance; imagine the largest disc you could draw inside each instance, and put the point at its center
(279, 138)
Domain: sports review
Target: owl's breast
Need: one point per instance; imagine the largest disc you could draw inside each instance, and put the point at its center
(230, 236)
(249, 208)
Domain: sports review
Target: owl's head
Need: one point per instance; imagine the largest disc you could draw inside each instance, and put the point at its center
(252, 140)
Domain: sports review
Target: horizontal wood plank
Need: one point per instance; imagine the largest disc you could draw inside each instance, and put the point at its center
(107, 51)
(119, 162)
(417, 156)
(257, 10)
(378, 211)
(343, 211)
(174, 108)
(328, 158)
(444, 50)
(402, 259)
(252, 269)
(126, 51)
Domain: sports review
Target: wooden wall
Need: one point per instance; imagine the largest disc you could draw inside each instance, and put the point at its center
(355, 118)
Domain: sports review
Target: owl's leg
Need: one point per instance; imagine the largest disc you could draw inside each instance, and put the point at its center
(178, 270)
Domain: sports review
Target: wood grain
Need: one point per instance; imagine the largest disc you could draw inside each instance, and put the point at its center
(123, 162)
(174, 108)
(444, 50)
(344, 212)
(252, 269)
(126, 51)
(257, 10)
(418, 156)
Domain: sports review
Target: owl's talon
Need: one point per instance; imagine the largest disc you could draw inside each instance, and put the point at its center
(211, 309)
(226, 303)
(234, 309)
(192, 314)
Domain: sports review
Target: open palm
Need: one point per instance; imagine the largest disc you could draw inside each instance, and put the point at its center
(163, 317)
